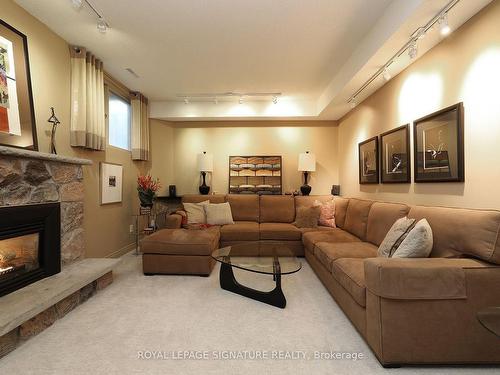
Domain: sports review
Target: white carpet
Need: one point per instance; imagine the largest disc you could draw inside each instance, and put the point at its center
(176, 313)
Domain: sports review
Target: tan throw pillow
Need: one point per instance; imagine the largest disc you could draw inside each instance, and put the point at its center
(307, 217)
(395, 236)
(417, 244)
(195, 212)
(219, 214)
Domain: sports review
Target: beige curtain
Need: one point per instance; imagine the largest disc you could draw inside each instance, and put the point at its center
(140, 127)
(88, 125)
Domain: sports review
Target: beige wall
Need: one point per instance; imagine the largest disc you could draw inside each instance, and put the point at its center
(107, 227)
(223, 139)
(464, 67)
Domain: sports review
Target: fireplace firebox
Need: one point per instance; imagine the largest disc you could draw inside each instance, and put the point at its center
(30, 244)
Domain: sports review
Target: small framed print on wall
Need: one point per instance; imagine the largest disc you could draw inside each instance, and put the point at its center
(438, 143)
(368, 161)
(17, 116)
(395, 155)
(111, 180)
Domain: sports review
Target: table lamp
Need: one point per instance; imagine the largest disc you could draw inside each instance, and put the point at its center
(307, 163)
(205, 164)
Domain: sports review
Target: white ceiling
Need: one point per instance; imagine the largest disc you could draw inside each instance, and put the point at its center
(313, 51)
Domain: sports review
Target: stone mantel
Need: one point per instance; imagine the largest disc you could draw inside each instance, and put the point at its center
(28, 154)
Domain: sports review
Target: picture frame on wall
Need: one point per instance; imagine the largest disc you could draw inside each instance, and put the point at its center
(395, 155)
(111, 183)
(368, 161)
(17, 115)
(438, 142)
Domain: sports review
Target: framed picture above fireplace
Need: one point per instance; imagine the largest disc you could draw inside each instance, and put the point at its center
(17, 117)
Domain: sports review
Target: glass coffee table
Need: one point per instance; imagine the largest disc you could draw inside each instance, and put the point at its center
(264, 258)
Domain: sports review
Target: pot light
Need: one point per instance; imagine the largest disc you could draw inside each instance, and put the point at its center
(386, 74)
(444, 27)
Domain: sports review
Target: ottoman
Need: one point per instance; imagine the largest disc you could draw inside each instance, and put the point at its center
(180, 251)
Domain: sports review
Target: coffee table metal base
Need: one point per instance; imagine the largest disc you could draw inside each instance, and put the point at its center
(228, 282)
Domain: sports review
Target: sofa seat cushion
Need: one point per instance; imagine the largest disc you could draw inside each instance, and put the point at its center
(182, 242)
(279, 231)
(350, 273)
(333, 235)
(240, 231)
(328, 252)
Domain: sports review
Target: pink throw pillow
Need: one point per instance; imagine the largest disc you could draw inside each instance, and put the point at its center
(327, 215)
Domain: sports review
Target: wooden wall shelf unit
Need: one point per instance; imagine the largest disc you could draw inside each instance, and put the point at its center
(255, 175)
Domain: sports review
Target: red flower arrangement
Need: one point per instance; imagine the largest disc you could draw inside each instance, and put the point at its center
(147, 187)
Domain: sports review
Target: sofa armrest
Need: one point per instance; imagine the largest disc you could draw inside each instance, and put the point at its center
(417, 279)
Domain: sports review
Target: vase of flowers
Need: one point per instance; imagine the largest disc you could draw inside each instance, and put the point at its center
(147, 187)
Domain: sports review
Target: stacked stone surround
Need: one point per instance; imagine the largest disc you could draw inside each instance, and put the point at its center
(28, 177)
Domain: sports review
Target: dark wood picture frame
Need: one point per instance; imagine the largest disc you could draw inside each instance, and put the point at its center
(24, 93)
(448, 173)
(375, 177)
(404, 178)
(234, 174)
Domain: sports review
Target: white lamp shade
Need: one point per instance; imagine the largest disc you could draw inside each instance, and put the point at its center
(307, 162)
(205, 162)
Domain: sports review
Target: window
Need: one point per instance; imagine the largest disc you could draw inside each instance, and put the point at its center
(119, 122)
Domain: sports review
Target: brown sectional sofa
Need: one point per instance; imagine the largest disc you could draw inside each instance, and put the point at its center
(409, 311)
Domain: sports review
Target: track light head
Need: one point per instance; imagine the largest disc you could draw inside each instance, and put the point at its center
(216, 101)
(353, 103)
(275, 100)
(240, 100)
(386, 74)
(102, 25)
(444, 27)
(413, 49)
(186, 100)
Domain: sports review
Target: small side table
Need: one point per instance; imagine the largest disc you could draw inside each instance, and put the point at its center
(490, 319)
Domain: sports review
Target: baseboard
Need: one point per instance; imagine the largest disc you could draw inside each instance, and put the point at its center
(120, 252)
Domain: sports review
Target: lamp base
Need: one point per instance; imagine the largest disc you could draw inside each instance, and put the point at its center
(305, 189)
(204, 189)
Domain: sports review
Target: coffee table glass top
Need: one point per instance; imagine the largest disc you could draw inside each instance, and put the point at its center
(267, 258)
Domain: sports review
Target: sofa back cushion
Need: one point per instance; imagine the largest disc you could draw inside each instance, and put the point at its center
(244, 207)
(459, 231)
(381, 218)
(197, 198)
(308, 201)
(277, 209)
(356, 217)
(340, 210)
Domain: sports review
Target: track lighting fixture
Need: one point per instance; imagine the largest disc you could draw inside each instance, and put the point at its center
(102, 25)
(411, 47)
(227, 96)
(186, 101)
(386, 74)
(275, 99)
(240, 100)
(444, 27)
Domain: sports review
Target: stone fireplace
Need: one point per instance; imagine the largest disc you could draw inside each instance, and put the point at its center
(30, 248)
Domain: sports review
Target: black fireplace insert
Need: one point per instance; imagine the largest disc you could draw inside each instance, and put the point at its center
(30, 244)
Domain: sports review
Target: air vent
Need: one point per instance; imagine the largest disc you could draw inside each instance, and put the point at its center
(132, 72)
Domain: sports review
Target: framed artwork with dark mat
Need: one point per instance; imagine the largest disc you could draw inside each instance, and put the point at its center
(17, 116)
(395, 155)
(438, 146)
(368, 161)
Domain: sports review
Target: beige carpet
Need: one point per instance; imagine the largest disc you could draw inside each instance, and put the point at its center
(139, 315)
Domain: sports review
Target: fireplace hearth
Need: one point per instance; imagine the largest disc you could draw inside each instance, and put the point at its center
(30, 244)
